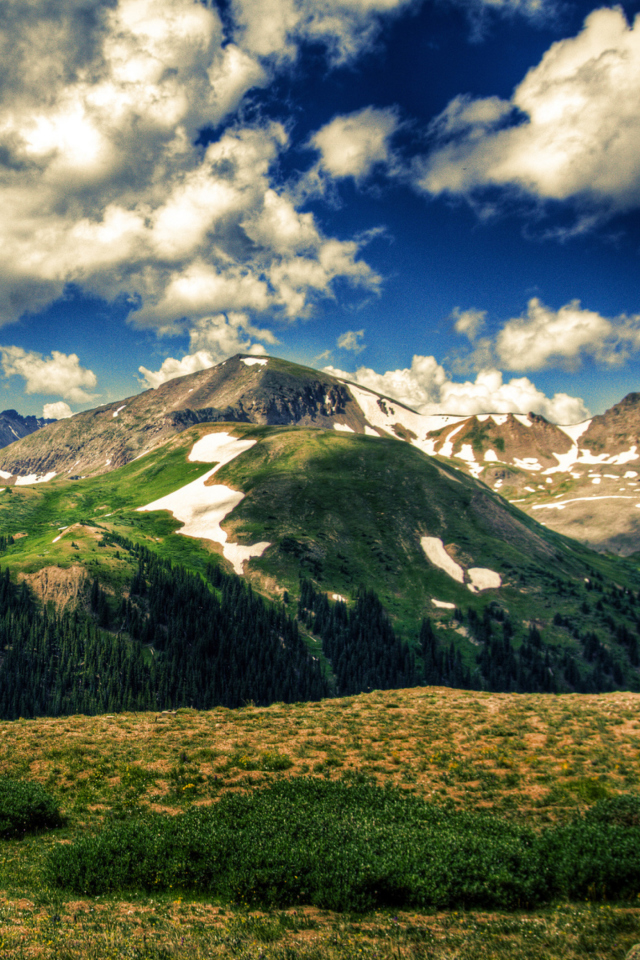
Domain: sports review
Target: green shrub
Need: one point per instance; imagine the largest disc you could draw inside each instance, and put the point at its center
(597, 856)
(333, 845)
(26, 808)
(357, 846)
(623, 810)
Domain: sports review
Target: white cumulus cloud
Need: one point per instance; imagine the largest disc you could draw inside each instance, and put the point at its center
(275, 28)
(60, 374)
(57, 411)
(351, 340)
(352, 145)
(570, 130)
(543, 337)
(212, 340)
(468, 322)
(101, 184)
(428, 388)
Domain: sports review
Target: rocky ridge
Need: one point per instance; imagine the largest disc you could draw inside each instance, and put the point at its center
(579, 479)
(13, 426)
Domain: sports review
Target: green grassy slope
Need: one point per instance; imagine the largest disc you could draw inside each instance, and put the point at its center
(341, 509)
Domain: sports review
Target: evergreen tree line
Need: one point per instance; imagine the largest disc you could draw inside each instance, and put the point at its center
(360, 643)
(177, 642)
(182, 639)
(58, 665)
(5, 541)
(224, 647)
(365, 653)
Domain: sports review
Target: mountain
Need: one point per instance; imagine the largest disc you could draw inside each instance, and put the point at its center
(578, 479)
(475, 591)
(13, 426)
(244, 389)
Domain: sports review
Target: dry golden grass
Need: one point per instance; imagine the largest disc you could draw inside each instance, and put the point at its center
(532, 754)
(533, 757)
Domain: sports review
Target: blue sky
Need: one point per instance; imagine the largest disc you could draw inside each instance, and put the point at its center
(437, 198)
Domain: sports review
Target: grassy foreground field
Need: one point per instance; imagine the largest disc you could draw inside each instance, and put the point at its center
(535, 760)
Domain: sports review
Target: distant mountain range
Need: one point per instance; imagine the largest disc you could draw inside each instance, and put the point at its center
(582, 479)
(13, 426)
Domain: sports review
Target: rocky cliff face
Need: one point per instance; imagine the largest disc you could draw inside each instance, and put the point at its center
(13, 426)
(242, 389)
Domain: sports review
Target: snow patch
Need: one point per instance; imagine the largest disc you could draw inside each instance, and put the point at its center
(5, 475)
(446, 450)
(383, 415)
(524, 420)
(491, 456)
(34, 478)
(369, 431)
(575, 430)
(481, 417)
(466, 453)
(630, 474)
(427, 446)
(435, 552)
(483, 579)
(338, 597)
(116, 412)
(252, 361)
(443, 604)
(499, 418)
(625, 457)
(343, 427)
(202, 508)
(528, 463)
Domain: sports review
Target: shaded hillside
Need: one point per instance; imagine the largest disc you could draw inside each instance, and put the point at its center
(13, 426)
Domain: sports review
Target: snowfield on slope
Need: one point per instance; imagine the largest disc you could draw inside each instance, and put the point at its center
(385, 415)
(202, 508)
(481, 578)
(436, 553)
(34, 478)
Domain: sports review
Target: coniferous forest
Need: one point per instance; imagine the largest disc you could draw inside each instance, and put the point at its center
(180, 639)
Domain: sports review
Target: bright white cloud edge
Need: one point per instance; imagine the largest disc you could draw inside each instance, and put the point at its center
(428, 388)
(60, 374)
(570, 130)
